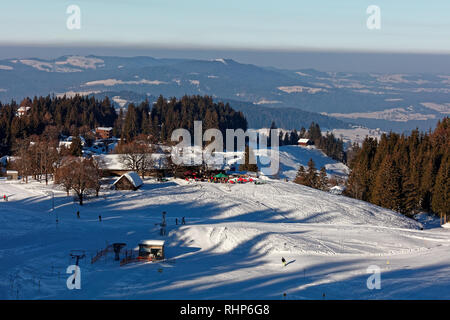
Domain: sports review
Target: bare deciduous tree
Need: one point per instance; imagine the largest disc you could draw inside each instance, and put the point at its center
(137, 155)
(81, 175)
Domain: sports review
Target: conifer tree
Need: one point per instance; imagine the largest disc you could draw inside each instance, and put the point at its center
(249, 161)
(323, 180)
(301, 176)
(441, 191)
(387, 188)
(311, 175)
(76, 148)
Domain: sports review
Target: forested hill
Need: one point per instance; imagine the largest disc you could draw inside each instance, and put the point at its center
(407, 174)
(259, 116)
(52, 116)
(56, 116)
(167, 115)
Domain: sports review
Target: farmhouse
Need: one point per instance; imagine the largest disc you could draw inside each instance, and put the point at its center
(128, 181)
(103, 133)
(305, 142)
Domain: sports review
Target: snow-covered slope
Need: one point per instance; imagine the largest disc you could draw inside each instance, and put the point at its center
(231, 246)
(291, 157)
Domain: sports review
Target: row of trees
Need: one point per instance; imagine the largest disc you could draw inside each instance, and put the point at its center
(311, 177)
(404, 173)
(55, 116)
(166, 116)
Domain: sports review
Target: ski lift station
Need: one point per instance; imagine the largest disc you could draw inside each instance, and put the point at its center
(151, 250)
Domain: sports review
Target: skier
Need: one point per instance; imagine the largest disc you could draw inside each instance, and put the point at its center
(100, 218)
(183, 221)
(283, 261)
(176, 221)
(78, 214)
(4, 197)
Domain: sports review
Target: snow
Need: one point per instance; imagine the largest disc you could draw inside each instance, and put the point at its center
(115, 82)
(301, 89)
(356, 134)
(291, 157)
(83, 62)
(48, 66)
(152, 242)
(71, 94)
(221, 60)
(121, 102)
(113, 161)
(104, 128)
(3, 67)
(393, 114)
(337, 190)
(230, 247)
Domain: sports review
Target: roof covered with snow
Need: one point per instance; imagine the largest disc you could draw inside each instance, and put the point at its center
(133, 177)
(104, 128)
(152, 242)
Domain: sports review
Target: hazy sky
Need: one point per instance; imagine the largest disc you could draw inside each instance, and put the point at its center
(418, 26)
(223, 27)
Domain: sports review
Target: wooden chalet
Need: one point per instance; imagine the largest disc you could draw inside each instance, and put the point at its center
(128, 181)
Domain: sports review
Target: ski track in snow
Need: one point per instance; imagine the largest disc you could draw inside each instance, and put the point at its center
(231, 246)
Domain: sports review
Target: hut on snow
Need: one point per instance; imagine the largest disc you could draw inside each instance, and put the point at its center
(305, 142)
(128, 181)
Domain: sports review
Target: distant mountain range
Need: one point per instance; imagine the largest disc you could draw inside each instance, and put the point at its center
(291, 98)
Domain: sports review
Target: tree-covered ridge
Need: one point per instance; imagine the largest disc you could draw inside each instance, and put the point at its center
(61, 115)
(167, 115)
(404, 173)
(55, 116)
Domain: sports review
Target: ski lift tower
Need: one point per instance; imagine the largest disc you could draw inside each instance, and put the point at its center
(117, 247)
(163, 224)
(78, 254)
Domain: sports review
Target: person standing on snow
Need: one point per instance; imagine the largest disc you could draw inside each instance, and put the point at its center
(183, 221)
(78, 214)
(283, 261)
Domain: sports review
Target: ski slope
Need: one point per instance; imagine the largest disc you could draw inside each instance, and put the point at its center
(230, 248)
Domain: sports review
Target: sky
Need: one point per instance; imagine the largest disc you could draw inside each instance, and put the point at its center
(284, 26)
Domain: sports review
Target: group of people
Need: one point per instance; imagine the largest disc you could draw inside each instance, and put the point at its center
(99, 216)
(218, 180)
(183, 221)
